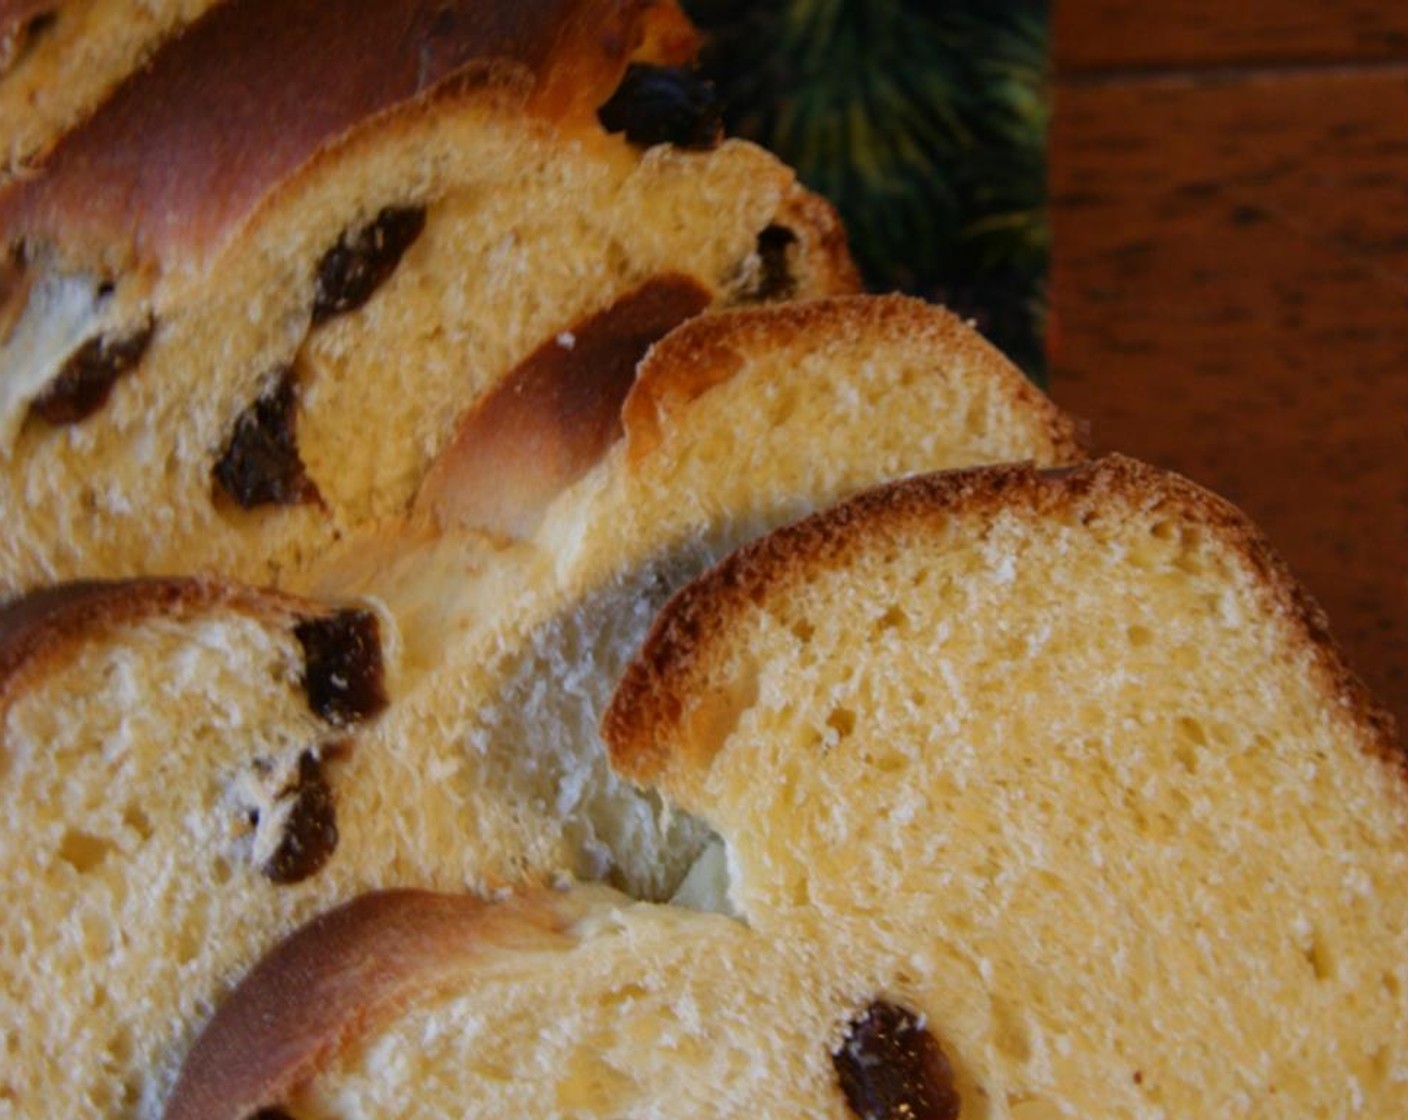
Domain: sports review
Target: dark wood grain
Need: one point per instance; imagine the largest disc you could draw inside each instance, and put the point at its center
(1230, 288)
(1106, 34)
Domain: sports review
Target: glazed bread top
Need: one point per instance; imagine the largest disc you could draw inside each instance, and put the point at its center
(165, 171)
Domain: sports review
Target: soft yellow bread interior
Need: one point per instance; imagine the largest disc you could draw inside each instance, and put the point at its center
(147, 782)
(1067, 756)
(526, 231)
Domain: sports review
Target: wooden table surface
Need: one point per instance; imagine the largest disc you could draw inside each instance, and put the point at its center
(1229, 193)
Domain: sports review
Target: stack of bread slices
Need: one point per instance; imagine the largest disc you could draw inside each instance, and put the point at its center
(496, 625)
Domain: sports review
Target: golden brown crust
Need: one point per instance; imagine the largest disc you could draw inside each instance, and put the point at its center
(642, 725)
(710, 350)
(43, 628)
(554, 415)
(179, 153)
(341, 976)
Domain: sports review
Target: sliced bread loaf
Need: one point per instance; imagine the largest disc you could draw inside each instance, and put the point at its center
(235, 358)
(1041, 795)
(180, 763)
(140, 745)
(736, 423)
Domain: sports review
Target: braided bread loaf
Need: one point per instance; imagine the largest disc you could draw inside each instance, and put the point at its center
(236, 330)
(153, 770)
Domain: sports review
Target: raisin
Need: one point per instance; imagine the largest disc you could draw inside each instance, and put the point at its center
(360, 262)
(343, 673)
(310, 830)
(82, 386)
(260, 465)
(891, 1068)
(775, 279)
(664, 105)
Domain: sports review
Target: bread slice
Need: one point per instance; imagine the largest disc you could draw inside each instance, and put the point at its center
(184, 782)
(579, 1003)
(200, 352)
(736, 423)
(1043, 794)
(1075, 756)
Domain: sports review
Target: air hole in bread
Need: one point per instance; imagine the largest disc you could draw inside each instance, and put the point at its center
(362, 260)
(717, 714)
(260, 464)
(86, 379)
(664, 105)
(589, 1084)
(1010, 1032)
(1190, 740)
(891, 1065)
(1319, 956)
(190, 939)
(893, 619)
(83, 851)
(138, 821)
(841, 722)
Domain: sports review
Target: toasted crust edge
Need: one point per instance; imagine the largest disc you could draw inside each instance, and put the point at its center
(641, 726)
(708, 351)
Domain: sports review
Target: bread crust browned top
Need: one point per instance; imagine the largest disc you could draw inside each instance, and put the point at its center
(555, 414)
(642, 726)
(179, 153)
(340, 976)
